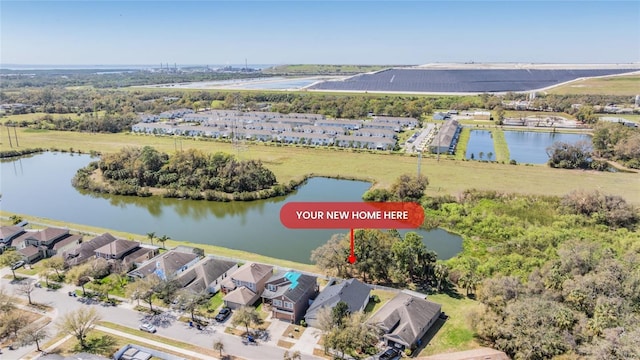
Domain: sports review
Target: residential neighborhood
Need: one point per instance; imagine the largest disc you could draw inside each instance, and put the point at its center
(282, 297)
(379, 133)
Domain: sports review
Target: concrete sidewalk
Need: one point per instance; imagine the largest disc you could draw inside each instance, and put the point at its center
(156, 343)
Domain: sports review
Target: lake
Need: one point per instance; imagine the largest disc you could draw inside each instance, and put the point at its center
(524, 146)
(40, 185)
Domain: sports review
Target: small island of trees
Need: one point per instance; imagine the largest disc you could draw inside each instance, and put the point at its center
(185, 174)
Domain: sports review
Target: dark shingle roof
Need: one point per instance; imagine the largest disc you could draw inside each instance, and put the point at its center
(351, 291)
(291, 284)
(118, 246)
(205, 272)
(87, 249)
(66, 241)
(405, 317)
(167, 264)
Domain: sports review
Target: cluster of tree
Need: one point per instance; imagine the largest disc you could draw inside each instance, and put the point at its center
(382, 257)
(617, 142)
(17, 325)
(586, 300)
(574, 156)
(610, 210)
(563, 102)
(347, 334)
(133, 169)
(405, 188)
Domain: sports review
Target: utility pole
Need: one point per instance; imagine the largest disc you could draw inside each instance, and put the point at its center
(16, 135)
(9, 133)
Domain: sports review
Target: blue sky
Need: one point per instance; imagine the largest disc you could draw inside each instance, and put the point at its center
(327, 32)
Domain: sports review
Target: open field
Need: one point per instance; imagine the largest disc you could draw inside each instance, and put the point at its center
(614, 85)
(456, 333)
(37, 115)
(447, 176)
(34, 116)
(542, 114)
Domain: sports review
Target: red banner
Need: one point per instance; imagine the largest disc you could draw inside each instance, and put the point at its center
(352, 215)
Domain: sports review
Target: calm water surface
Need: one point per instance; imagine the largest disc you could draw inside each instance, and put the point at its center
(524, 146)
(531, 147)
(40, 185)
(480, 141)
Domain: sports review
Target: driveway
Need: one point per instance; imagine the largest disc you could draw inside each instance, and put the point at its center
(166, 323)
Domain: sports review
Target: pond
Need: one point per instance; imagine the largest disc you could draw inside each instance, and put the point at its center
(480, 145)
(531, 146)
(528, 147)
(40, 185)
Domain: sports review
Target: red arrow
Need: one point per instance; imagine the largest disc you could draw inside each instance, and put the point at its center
(352, 255)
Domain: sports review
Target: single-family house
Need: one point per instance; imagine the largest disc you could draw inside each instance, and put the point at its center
(125, 253)
(41, 244)
(207, 275)
(86, 250)
(245, 285)
(166, 266)
(289, 294)
(441, 116)
(8, 233)
(405, 320)
(353, 292)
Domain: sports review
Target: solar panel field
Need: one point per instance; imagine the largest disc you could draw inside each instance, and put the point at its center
(461, 80)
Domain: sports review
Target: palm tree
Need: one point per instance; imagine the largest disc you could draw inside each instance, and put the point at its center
(151, 236)
(481, 155)
(489, 155)
(162, 239)
(441, 271)
(218, 345)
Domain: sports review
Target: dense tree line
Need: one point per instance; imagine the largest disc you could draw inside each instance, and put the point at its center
(116, 78)
(586, 301)
(617, 142)
(134, 170)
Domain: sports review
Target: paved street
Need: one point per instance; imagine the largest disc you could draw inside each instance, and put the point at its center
(166, 323)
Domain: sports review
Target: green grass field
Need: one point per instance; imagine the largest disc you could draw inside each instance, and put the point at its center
(446, 176)
(614, 85)
(456, 333)
(37, 115)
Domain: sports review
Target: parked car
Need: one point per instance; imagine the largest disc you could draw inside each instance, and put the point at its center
(223, 314)
(148, 328)
(389, 354)
(17, 265)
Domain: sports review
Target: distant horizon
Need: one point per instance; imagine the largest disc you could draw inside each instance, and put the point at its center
(171, 65)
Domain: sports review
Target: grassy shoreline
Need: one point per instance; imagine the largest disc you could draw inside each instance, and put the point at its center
(447, 176)
(208, 249)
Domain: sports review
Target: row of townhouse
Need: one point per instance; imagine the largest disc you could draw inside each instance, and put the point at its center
(35, 245)
(364, 139)
(293, 119)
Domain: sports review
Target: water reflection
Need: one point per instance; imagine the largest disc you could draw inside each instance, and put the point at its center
(44, 189)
